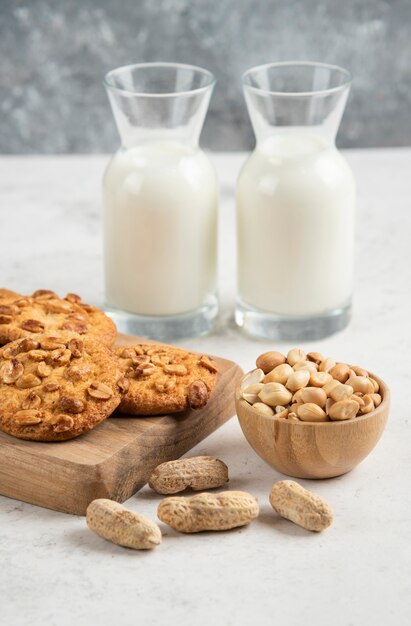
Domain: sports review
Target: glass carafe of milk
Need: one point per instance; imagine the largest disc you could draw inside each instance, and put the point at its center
(160, 200)
(295, 205)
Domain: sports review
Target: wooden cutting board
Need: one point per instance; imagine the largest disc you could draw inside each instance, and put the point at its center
(114, 460)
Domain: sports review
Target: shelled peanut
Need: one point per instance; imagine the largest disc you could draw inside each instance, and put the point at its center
(309, 387)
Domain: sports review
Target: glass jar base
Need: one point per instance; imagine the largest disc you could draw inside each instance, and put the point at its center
(290, 328)
(168, 327)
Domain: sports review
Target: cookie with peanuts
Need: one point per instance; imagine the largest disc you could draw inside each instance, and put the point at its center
(163, 379)
(44, 312)
(57, 386)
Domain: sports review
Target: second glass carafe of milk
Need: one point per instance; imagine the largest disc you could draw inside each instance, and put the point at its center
(160, 203)
(295, 205)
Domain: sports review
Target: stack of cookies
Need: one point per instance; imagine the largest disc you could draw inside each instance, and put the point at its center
(60, 377)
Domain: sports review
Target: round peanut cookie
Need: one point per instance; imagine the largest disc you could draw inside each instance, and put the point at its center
(164, 379)
(57, 386)
(44, 312)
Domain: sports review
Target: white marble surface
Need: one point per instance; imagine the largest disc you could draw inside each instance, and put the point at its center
(55, 572)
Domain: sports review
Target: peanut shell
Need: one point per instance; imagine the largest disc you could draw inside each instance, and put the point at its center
(198, 473)
(292, 501)
(114, 522)
(207, 511)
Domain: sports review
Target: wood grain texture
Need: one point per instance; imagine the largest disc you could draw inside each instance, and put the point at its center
(313, 450)
(116, 459)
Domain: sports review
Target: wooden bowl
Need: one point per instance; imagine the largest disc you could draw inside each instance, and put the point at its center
(313, 449)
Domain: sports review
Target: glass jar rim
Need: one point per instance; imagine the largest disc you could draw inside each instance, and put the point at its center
(310, 64)
(152, 65)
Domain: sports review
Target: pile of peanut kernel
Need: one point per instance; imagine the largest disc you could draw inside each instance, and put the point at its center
(309, 387)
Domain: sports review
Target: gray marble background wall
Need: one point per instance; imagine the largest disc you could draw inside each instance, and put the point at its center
(54, 53)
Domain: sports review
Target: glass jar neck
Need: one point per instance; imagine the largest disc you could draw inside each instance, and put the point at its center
(159, 102)
(142, 120)
(285, 114)
(296, 97)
